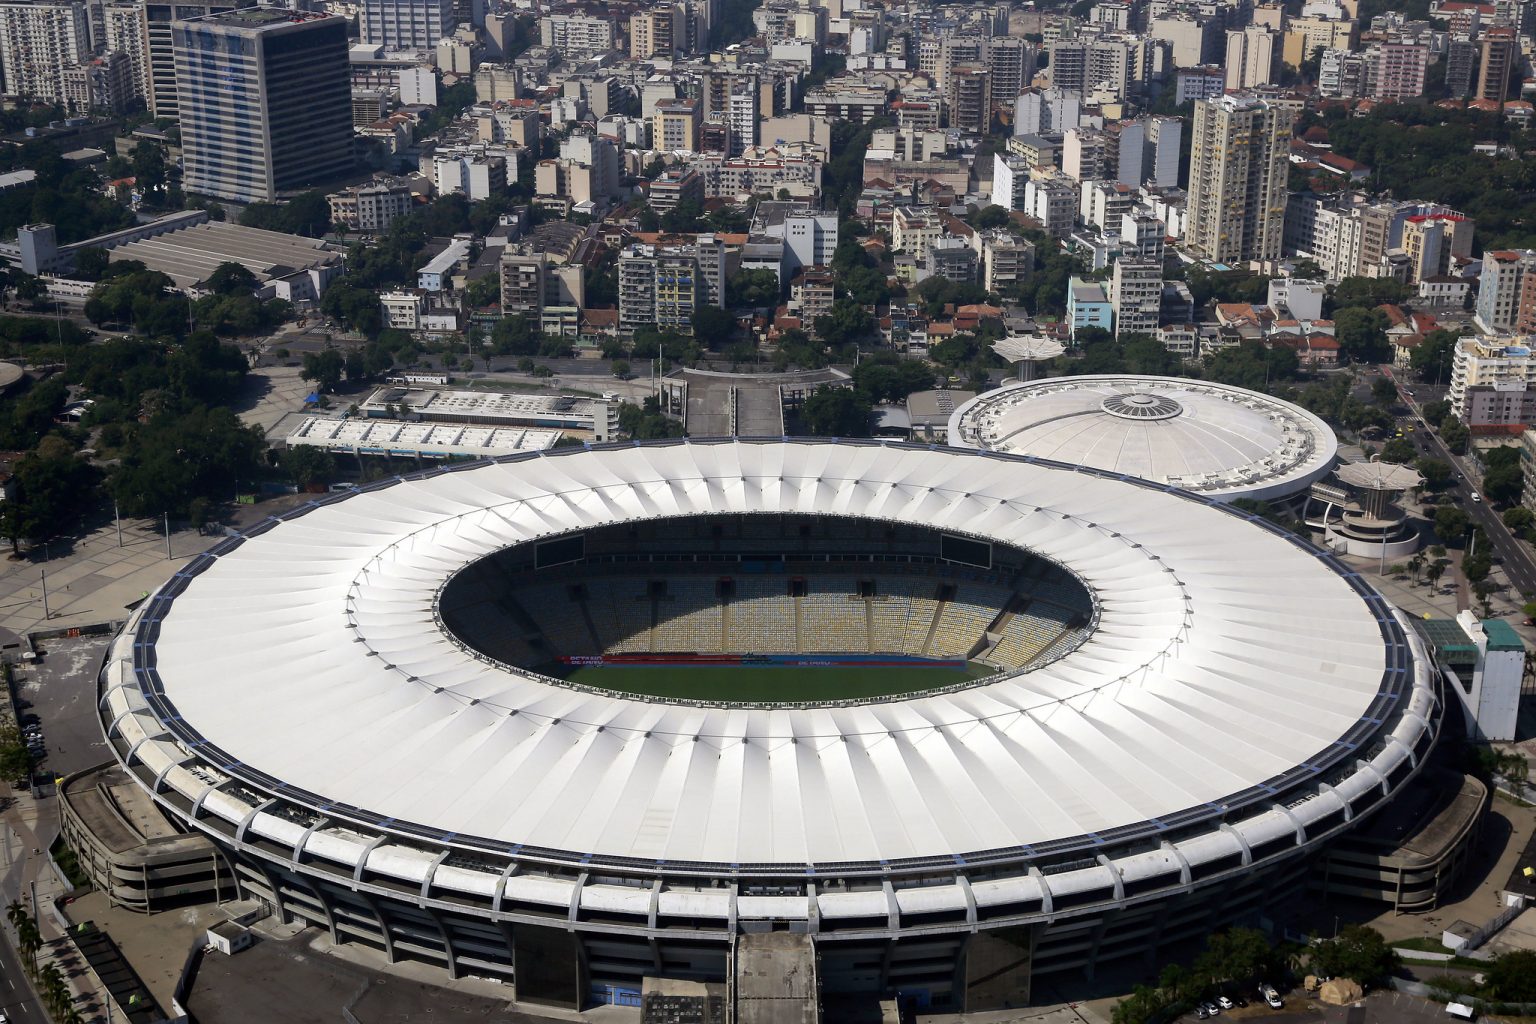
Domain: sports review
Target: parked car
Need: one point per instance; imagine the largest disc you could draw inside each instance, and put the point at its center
(1225, 1002)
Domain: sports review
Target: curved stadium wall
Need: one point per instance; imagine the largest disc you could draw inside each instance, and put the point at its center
(1240, 700)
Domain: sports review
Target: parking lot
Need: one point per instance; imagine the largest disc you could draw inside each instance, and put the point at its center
(60, 689)
(1378, 1008)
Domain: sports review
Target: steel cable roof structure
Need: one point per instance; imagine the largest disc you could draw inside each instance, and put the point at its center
(1206, 437)
(293, 694)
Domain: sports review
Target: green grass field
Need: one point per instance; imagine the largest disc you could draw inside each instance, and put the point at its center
(779, 683)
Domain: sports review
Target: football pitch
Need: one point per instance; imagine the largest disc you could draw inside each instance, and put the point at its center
(766, 683)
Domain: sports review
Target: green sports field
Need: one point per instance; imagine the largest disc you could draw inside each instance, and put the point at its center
(768, 683)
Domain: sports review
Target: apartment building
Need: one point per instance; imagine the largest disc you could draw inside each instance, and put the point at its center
(37, 43)
(660, 286)
(406, 24)
(1239, 165)
(371, 207)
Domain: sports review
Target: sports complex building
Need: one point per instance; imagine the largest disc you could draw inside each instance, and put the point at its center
(1214, 439)
(896, 718)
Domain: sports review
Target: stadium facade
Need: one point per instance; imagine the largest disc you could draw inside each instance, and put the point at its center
(1231, 700)
(1210, 438)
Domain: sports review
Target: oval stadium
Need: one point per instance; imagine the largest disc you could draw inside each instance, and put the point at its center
(1210, 438)
(856, 717)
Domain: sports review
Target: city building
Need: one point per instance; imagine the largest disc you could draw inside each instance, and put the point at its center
(968, 95)
(1253, 57)
(1397, 69)
(164, 101)
(675, 126)
(522, 282)
(104, 84)
(657, 32)
(126, 30)
(38, 42)
(1506, 291)
(1491, 385)
(372, 207)
(673, 186)
(1487, 659)
(1136, 295)
(1088, 306)
(1501, 52)
(408, 25)
(576, 35)
(1238, 172)
(1434, 242)
(660, 285)
(266, 107)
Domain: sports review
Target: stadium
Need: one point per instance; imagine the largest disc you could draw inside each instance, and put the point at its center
(892, 718)
(1210, 438)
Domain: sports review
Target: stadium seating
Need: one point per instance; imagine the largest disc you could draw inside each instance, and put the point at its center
(690, 618)
(832, 619)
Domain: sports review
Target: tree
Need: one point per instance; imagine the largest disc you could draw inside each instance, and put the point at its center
(1359, 953)
(1436, 412)
(1451, 524)
(1502, 484)
(835, 412)
(181, 455)
(514, 336)
(91, 263)
(1455, 435)
(51, 489)
(307, 465)
(989, 217)
(1362, 334)
(754, 288)
(1384, 391)
(713, 326)
(1435, 571)
(1239, 955)
(1436, 472)
(884, 378)
(846, 324)
(1431, 359)
(1518, 519)
(1512, 977)
(231, 278)
(1399, 450)
(324, 368)
(15, 763)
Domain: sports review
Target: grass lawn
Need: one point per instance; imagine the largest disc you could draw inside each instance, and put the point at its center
(765, 683)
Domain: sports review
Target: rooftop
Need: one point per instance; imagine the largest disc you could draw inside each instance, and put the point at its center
(190, 255)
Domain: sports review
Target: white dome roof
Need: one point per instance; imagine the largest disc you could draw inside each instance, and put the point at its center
(1210, 438)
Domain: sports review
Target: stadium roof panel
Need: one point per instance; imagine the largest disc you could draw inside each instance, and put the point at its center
(1211, 438)
(1226, 654)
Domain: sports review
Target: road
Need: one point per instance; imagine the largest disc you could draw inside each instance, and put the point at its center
(1516, 561)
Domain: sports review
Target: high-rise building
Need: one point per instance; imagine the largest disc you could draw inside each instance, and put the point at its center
(37, 42)
(127, 32)
(662, 285)
(658, 32)
(675, 127)
(969, 96)
(1397, 69)
(104, 84)
(1434, 241)
(1011, 63)
(1460, 62)
(406, 24)
(266, 105)
(1136, 294)
(1500, 51)
(1504, 291)
(1239, 160)
(1253, 57)
(576, 35)
(161, 74)
(743, 114)
(1165, 136)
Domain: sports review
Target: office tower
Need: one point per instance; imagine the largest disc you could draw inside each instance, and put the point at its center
(161, 75)
(1499, 54)
(266, 106)
(37, 42)
(1239, 160)
(1252, 58)
(1504, 290)
(406, 24)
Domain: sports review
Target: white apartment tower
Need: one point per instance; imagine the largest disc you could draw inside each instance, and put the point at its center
(1239, 161)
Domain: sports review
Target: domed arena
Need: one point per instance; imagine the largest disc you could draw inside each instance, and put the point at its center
(940, 722)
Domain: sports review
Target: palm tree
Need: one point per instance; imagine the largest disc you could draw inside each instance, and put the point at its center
(16, 913)
(1434, 572)
(1416, 565)
(29, 940)
(56, 991)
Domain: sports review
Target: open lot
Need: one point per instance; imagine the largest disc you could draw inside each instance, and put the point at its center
(60, 689)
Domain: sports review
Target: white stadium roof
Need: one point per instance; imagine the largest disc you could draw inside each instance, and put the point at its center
(309, 654)
(1215, 439)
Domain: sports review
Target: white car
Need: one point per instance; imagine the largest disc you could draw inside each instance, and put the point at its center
(1225, 1003)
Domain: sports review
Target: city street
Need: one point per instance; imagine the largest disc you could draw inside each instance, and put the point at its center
(1517, 563)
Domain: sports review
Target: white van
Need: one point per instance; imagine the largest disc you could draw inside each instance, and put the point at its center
(1461, 1011)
